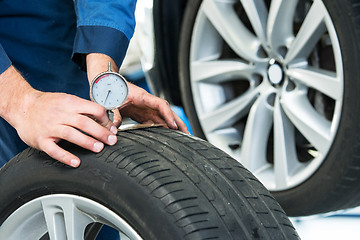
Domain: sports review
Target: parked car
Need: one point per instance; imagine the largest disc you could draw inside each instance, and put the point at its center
(273, 83)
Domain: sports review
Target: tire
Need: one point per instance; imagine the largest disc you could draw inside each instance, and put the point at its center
(163, 184)
(296, 146)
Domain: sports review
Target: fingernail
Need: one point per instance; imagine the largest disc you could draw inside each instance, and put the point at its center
(176, 126)
(113, 129)
(74, 162)
(98, 146)
(112, 139)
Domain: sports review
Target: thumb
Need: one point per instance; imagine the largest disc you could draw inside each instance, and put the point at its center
(117, 118)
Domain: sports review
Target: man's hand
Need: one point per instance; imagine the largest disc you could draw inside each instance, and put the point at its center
(143, 107)
(140, 106)
(55, 116)
(42, 119)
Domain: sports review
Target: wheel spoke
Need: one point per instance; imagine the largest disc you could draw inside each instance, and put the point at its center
(64, 220)
(225, 138)
(223, 17)
(310, 32)
(279, 25)
(219, 71)
(227, 135)
(324, 81)
(257, 14)
(285, 158)
(228, 113)
(314, 127)
(257, 130)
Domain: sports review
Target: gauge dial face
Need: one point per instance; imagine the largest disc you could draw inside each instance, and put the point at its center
(109, 90)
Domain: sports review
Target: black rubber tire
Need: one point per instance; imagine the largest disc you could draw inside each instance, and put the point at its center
(167, 185)
(336, 184)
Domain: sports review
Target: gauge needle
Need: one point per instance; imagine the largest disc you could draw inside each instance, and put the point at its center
(107, 95)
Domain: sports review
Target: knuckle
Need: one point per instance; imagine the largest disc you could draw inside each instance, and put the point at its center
(99, 110)
(67, 98)
(104, 135)
(80, 122)
(166, 103)
(65, 133)
(49, 151)
(41, 146)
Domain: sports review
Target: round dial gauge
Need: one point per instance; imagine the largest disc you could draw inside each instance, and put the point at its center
(109, 89)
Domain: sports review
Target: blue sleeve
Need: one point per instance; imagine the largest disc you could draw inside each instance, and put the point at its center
(5, 62)
(103, 26)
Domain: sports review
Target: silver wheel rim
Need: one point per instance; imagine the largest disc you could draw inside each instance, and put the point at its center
(274, 125)
(62, 216)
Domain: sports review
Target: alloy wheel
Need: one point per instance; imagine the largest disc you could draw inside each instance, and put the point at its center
(61, 216)
(267, 84)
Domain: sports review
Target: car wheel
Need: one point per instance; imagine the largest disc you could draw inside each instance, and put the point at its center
(275, 85)
(153, 184)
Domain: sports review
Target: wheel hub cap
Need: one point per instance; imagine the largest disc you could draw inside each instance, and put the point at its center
(275, 72)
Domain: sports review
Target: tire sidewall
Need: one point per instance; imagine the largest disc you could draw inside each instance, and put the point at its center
(184, 66)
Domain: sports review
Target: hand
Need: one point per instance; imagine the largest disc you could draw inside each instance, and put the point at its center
(143, 107)
(43, 119)
(55, 116)
(140, 106)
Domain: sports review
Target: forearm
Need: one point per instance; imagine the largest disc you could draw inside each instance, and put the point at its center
(97, 63)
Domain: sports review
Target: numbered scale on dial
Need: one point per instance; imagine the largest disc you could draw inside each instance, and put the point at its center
(109, 89)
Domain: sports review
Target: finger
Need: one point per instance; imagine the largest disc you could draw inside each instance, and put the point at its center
(59, 154)
(153, 117)
(148, 122)
(102, 117)
(88, 126)
(117, 118)
(92, 109)
(163, 107)
(181, 125)
(74, 136)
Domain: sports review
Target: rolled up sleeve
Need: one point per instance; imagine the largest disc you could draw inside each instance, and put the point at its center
(5, 62)
(103, 27)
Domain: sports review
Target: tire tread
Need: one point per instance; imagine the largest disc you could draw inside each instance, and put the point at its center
(208, 171)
